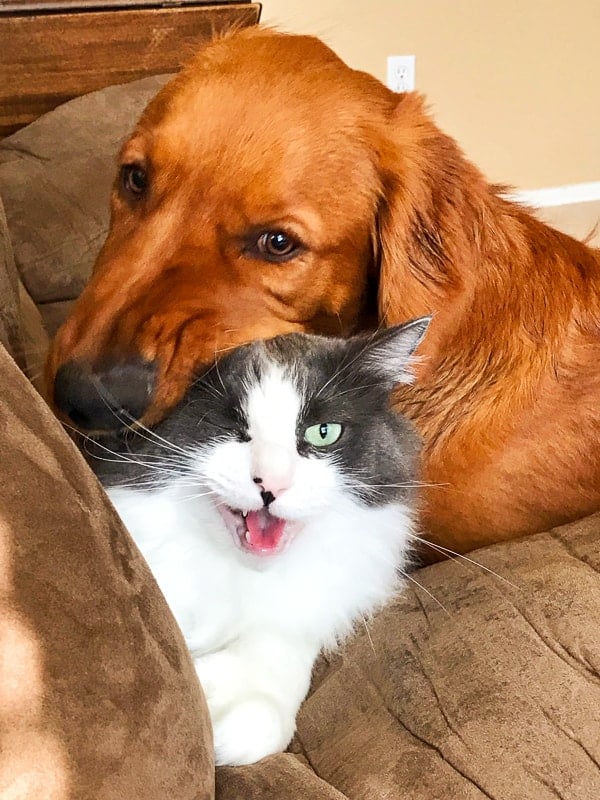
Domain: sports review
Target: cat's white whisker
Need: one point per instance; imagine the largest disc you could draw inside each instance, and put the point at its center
(135, 426)
(120, 459)
(226, 349)
(340, 323)
(196, 496)
(407, 485)
(368, 632)
(216, 368)
(409, 577)
(454, 556)
(356, 389)
(213, 391)
(171, 470)
(344, 366)
(207, 386)
(139, 429)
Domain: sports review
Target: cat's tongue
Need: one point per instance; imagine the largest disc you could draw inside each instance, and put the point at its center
(264, 531)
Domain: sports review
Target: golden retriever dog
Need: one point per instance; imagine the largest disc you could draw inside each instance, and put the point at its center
(270, 188)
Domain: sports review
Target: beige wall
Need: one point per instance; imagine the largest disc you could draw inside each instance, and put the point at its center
(517, 82)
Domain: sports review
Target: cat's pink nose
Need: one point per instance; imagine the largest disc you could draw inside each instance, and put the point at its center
(272, 485)
(273, 467)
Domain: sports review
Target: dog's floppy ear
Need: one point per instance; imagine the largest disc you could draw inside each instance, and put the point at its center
(416, 232)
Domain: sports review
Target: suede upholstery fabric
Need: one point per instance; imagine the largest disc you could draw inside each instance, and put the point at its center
(99, 699)
(496, 694)
(55, 181)
(471, 685)
(490, 690)
(278, 777)
(21, 328)
(10, 325)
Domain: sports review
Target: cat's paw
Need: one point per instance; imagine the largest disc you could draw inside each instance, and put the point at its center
(219, 675)
(250, 730)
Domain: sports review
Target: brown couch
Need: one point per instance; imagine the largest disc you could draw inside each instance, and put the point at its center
(479, 682)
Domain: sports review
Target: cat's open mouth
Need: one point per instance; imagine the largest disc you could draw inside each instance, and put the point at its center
(258, 532)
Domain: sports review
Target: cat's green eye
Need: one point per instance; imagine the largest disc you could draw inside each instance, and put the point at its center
(323, 434)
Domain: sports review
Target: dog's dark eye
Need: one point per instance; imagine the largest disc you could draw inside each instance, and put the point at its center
(276, 246)
(134, 180)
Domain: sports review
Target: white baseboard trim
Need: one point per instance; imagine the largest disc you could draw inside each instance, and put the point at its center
(558, 195)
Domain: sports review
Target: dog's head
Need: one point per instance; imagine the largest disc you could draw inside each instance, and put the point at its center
(252, 199)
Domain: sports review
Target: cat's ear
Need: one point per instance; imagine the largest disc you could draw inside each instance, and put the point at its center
(390, 351)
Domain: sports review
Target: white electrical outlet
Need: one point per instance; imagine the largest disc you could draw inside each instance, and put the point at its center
(401, 73)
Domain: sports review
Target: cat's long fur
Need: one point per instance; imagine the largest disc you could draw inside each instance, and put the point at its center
(256, 604)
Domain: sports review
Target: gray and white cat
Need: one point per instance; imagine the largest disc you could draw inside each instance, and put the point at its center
(274, 507)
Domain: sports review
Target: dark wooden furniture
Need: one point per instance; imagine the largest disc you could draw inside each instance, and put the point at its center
(54, 50)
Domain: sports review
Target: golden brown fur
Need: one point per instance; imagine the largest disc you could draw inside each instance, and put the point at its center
(265, 131)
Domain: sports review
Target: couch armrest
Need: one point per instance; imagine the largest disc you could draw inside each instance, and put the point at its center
(99, 699)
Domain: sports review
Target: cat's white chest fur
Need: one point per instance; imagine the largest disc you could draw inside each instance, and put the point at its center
(280, 529)
(254, 625)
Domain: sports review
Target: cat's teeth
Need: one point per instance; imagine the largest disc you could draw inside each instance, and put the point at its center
(247, 536)
(244, 514)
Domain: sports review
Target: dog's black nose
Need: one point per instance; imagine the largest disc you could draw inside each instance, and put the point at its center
(104, 399)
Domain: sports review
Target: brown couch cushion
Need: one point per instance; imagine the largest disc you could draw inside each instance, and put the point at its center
(22, 332)
(55, 179)
(496, 695)
(9, 294)
(98, 696)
